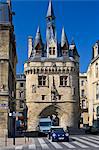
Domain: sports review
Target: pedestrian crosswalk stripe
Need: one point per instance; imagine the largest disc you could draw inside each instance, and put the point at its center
(86, 142)
(56, 145)
(19, 147)
(97, 142)
(68, 145)
(92, 137)
(32, 146)
(43, 144)
(97, 136)
(80, 144)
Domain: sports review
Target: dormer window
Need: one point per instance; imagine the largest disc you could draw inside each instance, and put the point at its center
(52, 50)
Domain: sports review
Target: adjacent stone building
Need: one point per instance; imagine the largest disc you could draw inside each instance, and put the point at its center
(52, 77)
(84, 120)
(93, 85)
(21, 108)
(8, 60)
(20, 92)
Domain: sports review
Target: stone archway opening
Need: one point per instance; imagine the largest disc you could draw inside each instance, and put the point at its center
(52, 112)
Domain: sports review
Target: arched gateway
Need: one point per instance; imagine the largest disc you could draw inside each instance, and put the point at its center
(52, 77)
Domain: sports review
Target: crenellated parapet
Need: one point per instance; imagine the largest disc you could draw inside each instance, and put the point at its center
(53, 69)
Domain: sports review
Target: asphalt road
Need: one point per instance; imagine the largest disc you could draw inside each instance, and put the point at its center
(77, 142)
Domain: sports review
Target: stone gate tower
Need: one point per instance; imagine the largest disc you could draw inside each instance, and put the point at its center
(52, 77)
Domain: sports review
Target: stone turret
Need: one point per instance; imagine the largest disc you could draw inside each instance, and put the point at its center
(95, 49)
(30, 46)
(73, 51)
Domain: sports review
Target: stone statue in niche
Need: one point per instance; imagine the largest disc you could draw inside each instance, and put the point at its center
(33, 88)
(2, 87)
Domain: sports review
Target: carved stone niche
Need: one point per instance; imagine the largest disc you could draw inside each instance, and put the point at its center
(33, 88)
(53, 64)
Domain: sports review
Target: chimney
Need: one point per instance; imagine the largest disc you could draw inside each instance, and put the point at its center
(30, 45)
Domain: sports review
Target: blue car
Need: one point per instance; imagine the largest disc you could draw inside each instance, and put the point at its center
(58, 134)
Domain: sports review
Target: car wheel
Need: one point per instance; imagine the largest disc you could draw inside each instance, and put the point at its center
(52, 139)
(67, 140)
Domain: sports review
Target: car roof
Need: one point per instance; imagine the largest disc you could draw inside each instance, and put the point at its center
(45, 120)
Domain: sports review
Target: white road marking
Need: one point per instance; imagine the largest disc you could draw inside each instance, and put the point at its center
(56, 145)
(80, 144)
(86, 142)
(91, 140)
(68, 145)
(19, 147)
(43, 144)
(97, 136)
(92, 137)
(32, 146)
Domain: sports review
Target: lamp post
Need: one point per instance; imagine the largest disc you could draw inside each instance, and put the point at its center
(14, 128)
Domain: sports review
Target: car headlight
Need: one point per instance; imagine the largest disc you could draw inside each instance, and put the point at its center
(67, 134)
(53, 134)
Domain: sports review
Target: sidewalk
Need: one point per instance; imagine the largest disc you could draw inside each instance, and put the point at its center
(18, 141)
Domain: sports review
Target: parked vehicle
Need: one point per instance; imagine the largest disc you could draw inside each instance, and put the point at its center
(58, 134)
(45, 125)
(92, 130)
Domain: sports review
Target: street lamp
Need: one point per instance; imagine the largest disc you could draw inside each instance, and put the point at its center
(13, 115)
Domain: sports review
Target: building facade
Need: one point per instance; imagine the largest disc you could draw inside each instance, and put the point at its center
(20, 92)
(52, 77)
(8, 60)
(84, 120)
(93, 85)
(21, 109)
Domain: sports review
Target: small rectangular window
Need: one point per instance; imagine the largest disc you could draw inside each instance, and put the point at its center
(41, 80)
(21, 84)
(82, 82)
(82, 93)
(43, 97)
(59, 97)
(63, 80)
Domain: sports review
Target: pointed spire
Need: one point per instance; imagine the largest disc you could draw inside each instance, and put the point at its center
(50, 12)
(38, 38)
(64, 39)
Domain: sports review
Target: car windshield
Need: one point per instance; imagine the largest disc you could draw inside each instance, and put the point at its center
(45, 124)
(57, 130)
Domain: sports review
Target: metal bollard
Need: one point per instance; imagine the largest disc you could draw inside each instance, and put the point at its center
(25, 139)
(28, 139)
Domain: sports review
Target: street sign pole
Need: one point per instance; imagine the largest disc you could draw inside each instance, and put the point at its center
(14, 120)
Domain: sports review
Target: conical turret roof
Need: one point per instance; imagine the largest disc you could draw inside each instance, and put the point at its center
(64, 39)
(38, 38)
